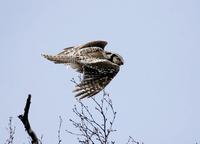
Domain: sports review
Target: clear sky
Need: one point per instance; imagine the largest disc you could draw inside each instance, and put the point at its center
(157, 92)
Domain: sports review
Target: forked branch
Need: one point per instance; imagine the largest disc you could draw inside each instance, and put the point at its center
(24, 119)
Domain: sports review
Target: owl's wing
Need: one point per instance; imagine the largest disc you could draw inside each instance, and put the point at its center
(66, 51)
(98, 43)
(96, 76)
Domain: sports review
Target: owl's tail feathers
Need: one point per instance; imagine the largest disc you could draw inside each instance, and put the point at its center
(57, 59)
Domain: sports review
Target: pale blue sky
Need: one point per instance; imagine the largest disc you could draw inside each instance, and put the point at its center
(156, 93)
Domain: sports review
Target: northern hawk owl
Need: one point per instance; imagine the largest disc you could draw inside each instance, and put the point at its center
(98, 66)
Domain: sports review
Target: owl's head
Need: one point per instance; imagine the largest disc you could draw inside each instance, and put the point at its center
(115, 58)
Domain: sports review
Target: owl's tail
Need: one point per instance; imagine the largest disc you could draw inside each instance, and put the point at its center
(58, 59)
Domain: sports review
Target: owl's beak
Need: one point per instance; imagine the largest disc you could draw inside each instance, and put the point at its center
(122, 63)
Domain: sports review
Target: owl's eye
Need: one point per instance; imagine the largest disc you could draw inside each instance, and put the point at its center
(113, 56)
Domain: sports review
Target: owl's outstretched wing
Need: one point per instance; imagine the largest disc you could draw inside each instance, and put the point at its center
(99, 43)
(96, 76)
(66, 51)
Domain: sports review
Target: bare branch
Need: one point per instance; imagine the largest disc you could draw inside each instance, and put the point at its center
(133, 141)
(24, 119)
(79, 79)
(73, 81)
(11, 131)
(94, 129)
(59, 130)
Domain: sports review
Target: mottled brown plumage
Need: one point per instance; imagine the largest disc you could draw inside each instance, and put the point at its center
(98, 66)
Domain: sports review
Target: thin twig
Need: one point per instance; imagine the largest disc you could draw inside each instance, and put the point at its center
(132, 141)
(94, 130)
(59, 130)
(11, 131)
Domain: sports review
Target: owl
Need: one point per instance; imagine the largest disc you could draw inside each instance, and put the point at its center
(98, 66)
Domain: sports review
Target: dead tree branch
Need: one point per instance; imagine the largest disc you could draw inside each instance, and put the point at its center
(94, 127)
(24, 119)
(133, 141)
(11, 131)
(59, 130)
